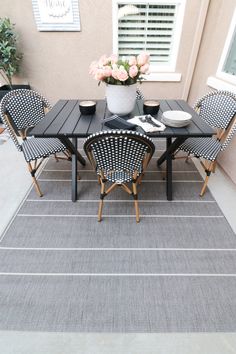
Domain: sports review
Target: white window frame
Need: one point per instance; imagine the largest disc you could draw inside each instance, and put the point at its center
(220, 73)
(157, 72)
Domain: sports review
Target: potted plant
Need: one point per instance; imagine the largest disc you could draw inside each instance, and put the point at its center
(10, 56)
(120, 76)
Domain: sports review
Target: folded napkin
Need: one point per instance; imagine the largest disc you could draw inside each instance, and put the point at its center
(148, 127)
(116, 122)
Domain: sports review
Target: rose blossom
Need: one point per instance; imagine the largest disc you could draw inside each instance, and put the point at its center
(107, 71)
(122, 74)
(132, 61)
(115, 73)
(99, 74)
(133, 71)
(144, 68)
(143, 58)
(113, 59)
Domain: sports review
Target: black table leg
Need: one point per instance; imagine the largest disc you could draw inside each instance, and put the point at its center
(71, 147)
(74, 173)
(168, 171)
(171, 147)
(75, 156)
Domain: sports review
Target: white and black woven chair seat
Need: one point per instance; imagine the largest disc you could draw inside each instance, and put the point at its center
(207, 148)
(119, 176)
(36, 148)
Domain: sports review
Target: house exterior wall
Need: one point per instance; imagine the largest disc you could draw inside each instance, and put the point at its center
(216, 28)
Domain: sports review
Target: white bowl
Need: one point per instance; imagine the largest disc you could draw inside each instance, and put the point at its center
(176, 118)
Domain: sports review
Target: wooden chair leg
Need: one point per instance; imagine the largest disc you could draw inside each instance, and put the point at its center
(67, 156)
(204, 185)
(187, 158)
(101, 201)
(136, 201)
(113, 186)
(100, 210)
(126, 188)
(208, 173)
(214, 167)
(36, 185)
(140, 178)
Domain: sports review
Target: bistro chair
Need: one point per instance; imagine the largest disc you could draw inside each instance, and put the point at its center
(119, 157)
(21, 110)
(217, 109)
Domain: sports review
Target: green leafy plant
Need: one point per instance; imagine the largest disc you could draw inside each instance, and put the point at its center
(10, 57)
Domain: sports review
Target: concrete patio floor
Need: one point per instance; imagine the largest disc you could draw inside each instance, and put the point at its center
(15, 182)
(103, 343)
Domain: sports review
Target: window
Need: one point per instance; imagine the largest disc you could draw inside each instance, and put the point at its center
(227, 66)
(153, 26)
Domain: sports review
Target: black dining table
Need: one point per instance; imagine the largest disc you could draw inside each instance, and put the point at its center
(65, 122)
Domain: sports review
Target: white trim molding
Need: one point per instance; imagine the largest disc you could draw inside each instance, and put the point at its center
(218, 84)
(167, 77)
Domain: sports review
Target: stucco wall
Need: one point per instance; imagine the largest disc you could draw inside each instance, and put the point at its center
(217, 24)
(56, 63)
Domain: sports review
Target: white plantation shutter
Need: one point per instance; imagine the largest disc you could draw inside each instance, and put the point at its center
(152, 29)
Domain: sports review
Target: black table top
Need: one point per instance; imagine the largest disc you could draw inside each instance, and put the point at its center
(65, 119)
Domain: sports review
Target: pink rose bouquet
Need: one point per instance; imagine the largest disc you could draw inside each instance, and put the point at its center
(115, 71)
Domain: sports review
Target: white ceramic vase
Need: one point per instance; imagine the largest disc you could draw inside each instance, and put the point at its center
(121, 99)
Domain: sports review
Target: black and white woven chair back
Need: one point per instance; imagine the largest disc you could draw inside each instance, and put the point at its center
(25, 107)
(119, 151)
(217, 108)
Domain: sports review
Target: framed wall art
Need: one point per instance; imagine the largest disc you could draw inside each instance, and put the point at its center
(56, 15)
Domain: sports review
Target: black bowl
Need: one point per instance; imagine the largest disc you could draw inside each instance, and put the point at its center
(151, 107)
(87, 107)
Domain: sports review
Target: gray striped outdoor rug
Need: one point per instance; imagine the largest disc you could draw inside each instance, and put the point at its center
(175, 271)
